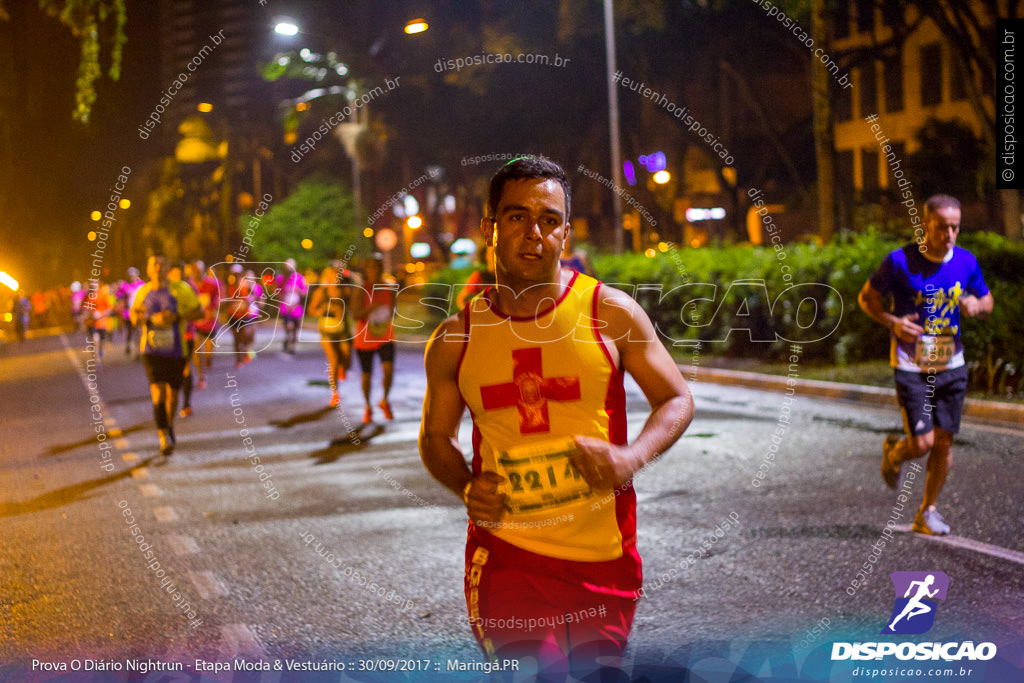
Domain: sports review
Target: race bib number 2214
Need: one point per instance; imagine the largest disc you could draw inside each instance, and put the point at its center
(540, 476)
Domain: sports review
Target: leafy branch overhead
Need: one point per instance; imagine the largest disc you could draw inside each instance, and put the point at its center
(94, 23)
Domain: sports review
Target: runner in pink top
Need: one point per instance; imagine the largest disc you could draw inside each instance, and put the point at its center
(292, 288)
(193, 338)
(125, 298)
(208, 288)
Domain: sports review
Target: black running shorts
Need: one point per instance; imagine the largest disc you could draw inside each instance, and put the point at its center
(387, 355)
(164, 369)
(931, 399)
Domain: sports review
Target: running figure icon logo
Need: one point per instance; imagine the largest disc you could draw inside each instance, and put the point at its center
(917, 594)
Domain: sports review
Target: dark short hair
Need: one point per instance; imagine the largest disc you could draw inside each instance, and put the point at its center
(940, 201)
(526, 168)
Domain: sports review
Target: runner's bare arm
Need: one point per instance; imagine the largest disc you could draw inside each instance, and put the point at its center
(972, 306)
(360, 302)
(905, 328)
(638, 351)
(316, 301)
(439, 432)
(138, 311)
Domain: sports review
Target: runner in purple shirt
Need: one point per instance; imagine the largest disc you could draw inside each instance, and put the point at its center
(932, 284)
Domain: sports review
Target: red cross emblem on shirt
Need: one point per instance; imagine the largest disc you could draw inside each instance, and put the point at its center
(529, 391)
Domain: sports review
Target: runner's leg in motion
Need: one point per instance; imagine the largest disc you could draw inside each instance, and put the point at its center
(331, 352)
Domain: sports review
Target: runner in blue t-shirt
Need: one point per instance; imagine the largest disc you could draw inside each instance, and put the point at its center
(931, 284)
(163, 308)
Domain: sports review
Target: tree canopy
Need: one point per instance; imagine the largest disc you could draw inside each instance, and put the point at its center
(321, 210)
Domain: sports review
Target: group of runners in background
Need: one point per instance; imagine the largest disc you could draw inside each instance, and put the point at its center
(177, 318)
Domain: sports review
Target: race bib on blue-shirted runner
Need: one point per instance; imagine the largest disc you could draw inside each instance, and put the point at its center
(160, 339)
(934, 350)
(539, 476)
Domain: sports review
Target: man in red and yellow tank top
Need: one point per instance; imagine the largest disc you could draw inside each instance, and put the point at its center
(551, 560)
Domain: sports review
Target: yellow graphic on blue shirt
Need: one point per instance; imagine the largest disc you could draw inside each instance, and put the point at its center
(941, 308)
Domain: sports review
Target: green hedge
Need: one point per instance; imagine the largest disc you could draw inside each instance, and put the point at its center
(716, 295)
(843, 332)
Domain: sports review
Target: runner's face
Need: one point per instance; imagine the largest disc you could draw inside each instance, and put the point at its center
(532, 227)
(941, 229)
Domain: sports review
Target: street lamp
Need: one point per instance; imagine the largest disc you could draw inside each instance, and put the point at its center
(416, 26)
(286, 28)
(613, 119)
(9, 281)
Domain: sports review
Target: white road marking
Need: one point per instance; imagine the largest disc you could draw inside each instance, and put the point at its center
(121, 444)
(968, 544)
(130, 457)
(239, 639)
(165, 514)
(150, 490)
(182, 544)
(208, 584)
(406, 431)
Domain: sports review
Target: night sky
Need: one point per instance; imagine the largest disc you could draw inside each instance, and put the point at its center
(56, 170)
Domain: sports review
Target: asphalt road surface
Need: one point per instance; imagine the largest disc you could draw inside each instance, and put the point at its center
(338, 549)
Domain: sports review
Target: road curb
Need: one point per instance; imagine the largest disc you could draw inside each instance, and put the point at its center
(975, 408)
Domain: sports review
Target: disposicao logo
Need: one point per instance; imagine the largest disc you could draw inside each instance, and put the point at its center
(917, 596)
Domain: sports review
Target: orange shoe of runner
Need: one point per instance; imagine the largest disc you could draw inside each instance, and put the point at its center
(368, 415)
(335, 400)
(386, 407)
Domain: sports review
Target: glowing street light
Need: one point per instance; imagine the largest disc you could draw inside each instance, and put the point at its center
(286, 28)
(307, 243)
(125, 203)
(662, 177)
(414, 222)
(204, 107)
(418, 25)
(8, 280)
(95, 215)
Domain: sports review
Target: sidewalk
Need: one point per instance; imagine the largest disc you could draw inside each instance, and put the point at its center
(975, 408)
